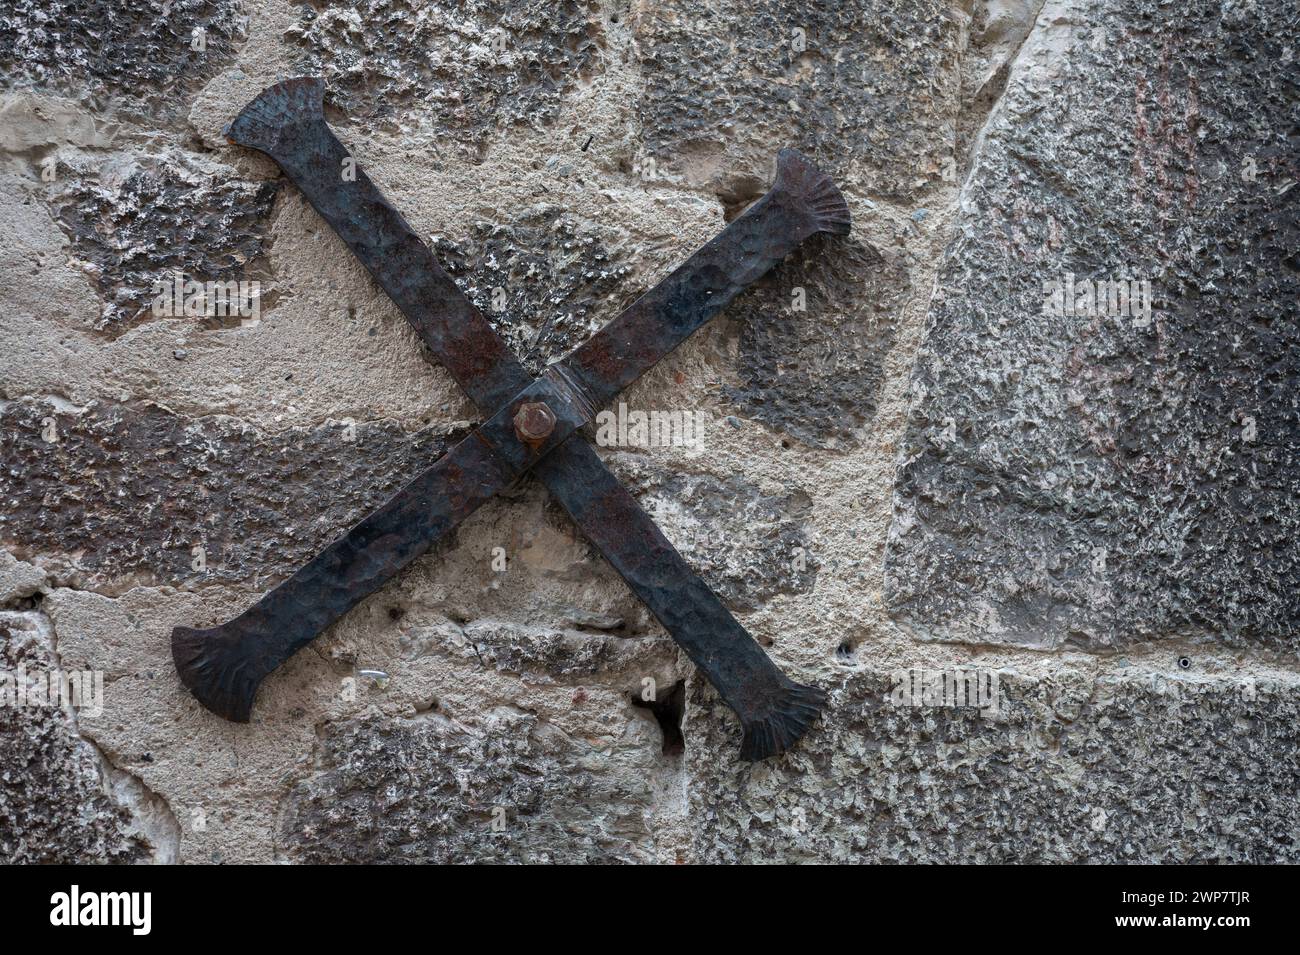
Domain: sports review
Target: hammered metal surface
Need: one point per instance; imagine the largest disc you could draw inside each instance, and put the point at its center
(224, 665)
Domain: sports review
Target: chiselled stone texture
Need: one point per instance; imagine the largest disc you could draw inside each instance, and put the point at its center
(546, 281)
(748, 543)
(1054, 479)
(125, 492)
(1094, 478)
(852, 84)
(429, 789)
(148, 55)
(54, 806)
(135, 223)
(813, 372)
(1071, 771)
(470, 69)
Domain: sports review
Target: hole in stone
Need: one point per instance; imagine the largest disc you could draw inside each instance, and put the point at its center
(1185, 663)
(396, 613)
(738, 194)
(24, 604)
(668, 710)
(844, 652)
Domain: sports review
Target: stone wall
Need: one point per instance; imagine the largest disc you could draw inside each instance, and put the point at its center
(941, 462)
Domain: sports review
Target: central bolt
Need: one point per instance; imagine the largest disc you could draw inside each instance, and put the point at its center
(534, 422)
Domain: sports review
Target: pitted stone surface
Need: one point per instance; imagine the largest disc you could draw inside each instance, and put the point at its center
(470, 71)
(1072, 770)
(125, 493)
(149, 53)
(858, 86)
(546, 281)
(135, 223)
(748, 543)
(430, 790)
(814, 372)
(1098, 479)
(54, 802)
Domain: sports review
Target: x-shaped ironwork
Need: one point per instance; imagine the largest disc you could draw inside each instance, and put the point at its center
(530, 427)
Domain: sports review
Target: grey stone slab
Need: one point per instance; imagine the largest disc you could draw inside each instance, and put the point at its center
(546, 279)
(853, 84)
(813, 373)
(55, 802)
(1098, 475)
(137, 224)
(125, 492)
(512, 788)
(148, 57)
(475, 69)
(749, 544)
(1070, 770)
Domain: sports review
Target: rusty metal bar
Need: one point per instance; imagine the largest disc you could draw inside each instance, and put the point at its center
(532, 427)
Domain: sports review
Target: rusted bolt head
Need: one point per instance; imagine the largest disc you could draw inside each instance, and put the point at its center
(534, 421)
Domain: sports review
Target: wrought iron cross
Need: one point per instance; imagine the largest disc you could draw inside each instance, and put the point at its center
(529, 427)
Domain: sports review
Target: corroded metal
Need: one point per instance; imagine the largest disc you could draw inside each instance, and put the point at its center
(530, 427)
(534, 422)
